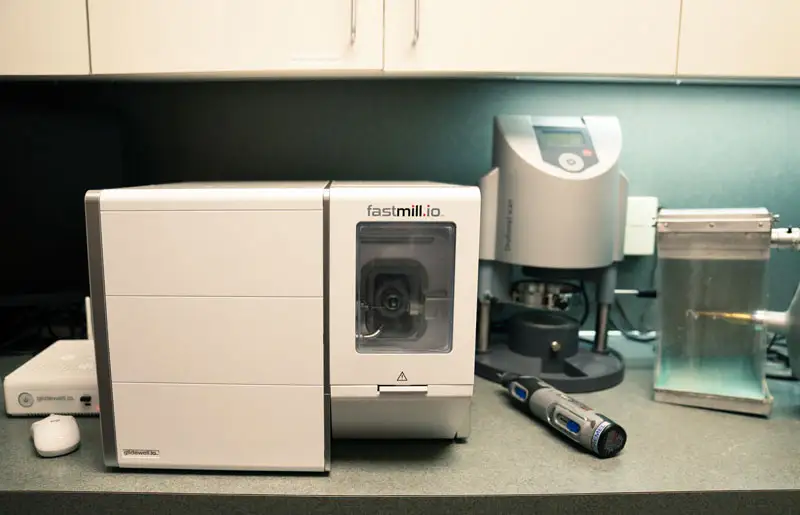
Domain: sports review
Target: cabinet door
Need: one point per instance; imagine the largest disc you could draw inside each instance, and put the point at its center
(235, 37)
(740, 38)
(43, 37)
(561, 37)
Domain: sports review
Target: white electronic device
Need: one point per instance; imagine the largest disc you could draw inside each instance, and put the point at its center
(55, 435)
(241, 326)
(553, 218)
(61, 379)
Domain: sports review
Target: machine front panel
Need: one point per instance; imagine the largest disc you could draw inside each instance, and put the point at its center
(569, 148)
(221, 427)
(400, 416)
(214, 340)
(402, 285)
(213, 253)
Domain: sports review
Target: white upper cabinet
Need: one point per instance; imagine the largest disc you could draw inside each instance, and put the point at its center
(517, 37)
(740, 39)
(236, 37)
(43, 37)
(714, 39)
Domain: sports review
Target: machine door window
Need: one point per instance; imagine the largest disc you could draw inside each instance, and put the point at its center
(404, 287)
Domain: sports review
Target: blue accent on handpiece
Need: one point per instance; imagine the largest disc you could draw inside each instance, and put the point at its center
(573, 427)
(519, 392)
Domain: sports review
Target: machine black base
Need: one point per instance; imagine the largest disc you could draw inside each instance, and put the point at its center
(545, 344)
(586, 371)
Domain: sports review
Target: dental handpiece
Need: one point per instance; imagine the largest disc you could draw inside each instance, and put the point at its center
(777, 321)
(598, 434)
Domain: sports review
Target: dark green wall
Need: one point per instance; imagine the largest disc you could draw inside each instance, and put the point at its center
(692, 146)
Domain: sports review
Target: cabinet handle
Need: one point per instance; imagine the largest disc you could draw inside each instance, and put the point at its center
(416, 23)
(353, 10)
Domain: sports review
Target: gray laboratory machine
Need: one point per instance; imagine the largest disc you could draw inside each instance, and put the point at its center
(786, 323)
(552, 218)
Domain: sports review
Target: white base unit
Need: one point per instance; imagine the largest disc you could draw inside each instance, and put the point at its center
(240, 326)
(59, 380)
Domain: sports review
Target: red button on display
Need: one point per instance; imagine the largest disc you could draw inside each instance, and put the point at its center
(587, 152)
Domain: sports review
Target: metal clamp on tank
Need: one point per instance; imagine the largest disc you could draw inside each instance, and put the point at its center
(552, 219)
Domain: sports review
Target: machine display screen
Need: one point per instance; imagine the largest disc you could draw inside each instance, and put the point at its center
(560, 138)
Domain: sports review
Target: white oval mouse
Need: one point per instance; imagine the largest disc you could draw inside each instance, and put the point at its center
(55, 435)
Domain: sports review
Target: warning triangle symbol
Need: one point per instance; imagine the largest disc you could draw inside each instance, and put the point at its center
(402, 377)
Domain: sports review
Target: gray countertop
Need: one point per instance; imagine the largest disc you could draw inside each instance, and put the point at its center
(670, 449)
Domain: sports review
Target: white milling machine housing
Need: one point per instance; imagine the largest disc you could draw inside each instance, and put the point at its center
(240, 326)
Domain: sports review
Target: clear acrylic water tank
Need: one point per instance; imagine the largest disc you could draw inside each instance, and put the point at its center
(712, 260)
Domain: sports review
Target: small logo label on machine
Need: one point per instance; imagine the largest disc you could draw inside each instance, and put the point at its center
(509, 224)
(412, 211)
(55, 398)
(141, 453)
(402, 377)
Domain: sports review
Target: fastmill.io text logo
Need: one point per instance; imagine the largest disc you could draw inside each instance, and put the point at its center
(412, 211)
